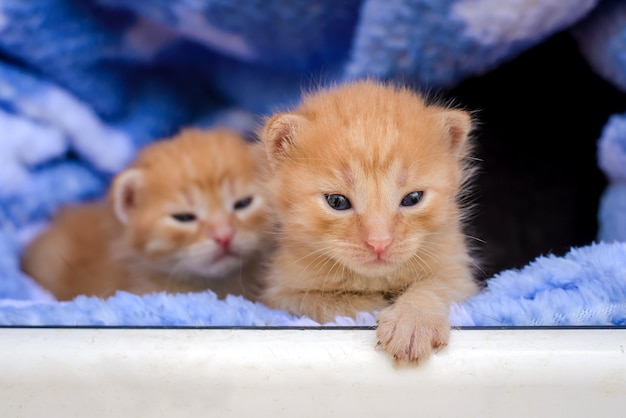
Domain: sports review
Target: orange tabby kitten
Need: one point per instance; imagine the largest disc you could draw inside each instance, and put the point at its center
(187, 215)
(365, 179)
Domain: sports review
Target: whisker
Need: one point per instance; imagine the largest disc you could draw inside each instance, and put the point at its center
(323, 284)
(319, 250)
(482, 241)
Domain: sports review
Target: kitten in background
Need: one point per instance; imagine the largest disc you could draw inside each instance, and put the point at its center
(186, 215)
(365, 181)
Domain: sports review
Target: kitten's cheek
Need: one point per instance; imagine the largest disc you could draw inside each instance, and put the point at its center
(156, 248)
(234, 248)
(245, 243)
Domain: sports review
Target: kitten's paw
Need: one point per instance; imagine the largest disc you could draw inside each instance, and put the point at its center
(409, 335)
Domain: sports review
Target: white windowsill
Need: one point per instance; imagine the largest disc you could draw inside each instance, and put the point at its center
(57, 372)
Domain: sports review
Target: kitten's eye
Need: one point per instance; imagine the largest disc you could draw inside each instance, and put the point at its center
(242, 203)
(184, 217)
(338, 202)
(412, 199)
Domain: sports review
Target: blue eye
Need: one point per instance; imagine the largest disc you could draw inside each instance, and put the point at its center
(242, 203)
(184, 217)
(412, 199)
(338, 202)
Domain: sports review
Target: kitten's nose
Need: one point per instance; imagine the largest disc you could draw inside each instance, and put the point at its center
(379, 245)
(223, 236)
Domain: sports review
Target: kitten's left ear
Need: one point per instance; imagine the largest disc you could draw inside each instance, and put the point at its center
(124, 193)
(457, 125)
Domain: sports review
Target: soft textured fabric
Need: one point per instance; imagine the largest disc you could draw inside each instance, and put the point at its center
(612, 161)
(85, 84)
(585, 287)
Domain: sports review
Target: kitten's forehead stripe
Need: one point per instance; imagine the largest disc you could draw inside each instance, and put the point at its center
(201, 202)
(187, 198)
(374, 189)
(348, 177)
(403, 175)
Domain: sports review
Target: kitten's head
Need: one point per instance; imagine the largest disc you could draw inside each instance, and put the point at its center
(367, 174)
(192, 205)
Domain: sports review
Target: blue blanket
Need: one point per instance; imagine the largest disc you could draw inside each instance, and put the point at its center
(85, 83)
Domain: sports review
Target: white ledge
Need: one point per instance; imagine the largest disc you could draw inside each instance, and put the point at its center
(60, 372)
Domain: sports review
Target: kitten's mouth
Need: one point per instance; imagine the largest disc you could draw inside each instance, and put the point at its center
(378, 260)
(218, 264)
(374, 266)
(224, 254)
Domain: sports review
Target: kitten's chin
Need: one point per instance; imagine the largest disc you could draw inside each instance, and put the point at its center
(386, 265)
(374, 271)
(374, 268)
(219, 268)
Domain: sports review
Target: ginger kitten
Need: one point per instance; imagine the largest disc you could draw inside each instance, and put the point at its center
(365, 180)
(186, 215)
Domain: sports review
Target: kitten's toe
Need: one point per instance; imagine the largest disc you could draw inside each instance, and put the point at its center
(409, 336)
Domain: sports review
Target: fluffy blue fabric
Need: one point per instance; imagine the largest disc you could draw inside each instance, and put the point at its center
(438, 42)
(84, 84)
(602, 40)
(587, 286)
(612, 161)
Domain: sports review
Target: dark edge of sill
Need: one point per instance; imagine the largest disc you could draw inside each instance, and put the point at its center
(305, 328)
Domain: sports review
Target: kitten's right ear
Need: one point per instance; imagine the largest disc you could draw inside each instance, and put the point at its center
(279, 134)
(124, 193)
(457, 125)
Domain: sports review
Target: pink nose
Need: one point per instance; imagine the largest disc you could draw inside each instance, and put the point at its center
(379, 245)
(223, 236)
(223, 240)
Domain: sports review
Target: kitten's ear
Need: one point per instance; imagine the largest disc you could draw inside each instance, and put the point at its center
(457, 125)
(124, 193)
(279, 134)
